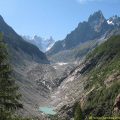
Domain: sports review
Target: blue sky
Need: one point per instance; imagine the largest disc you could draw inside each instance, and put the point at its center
(54, 18)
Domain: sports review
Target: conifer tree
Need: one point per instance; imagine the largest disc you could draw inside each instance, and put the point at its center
(9, 95)
(78, 112)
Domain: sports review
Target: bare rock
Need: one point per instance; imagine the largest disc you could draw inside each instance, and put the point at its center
(117, 105)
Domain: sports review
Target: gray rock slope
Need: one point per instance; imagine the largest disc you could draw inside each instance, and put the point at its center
(81, 40)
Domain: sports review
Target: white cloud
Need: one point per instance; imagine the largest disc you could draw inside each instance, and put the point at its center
(85, 1)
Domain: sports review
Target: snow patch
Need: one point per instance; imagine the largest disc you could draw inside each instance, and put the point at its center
(56, 66)
(110, 22)
(61, 63)
(49, 47)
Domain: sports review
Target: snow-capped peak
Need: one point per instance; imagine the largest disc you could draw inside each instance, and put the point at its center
(110, 22)
(115, 20)
(43, 44)
(50, 46)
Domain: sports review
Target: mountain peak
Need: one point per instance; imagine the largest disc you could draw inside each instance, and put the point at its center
(97, 14)
(38, 38)
(96, 20)
(1, 18)
(114, 20)
(41, 43)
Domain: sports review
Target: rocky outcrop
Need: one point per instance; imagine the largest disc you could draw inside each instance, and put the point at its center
(116, 110)
(115, 77)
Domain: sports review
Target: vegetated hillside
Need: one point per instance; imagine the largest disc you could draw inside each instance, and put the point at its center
(95, 84)
(104, 77)
(96, 28)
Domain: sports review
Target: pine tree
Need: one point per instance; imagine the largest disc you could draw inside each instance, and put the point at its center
(78, 112)
(9, 95)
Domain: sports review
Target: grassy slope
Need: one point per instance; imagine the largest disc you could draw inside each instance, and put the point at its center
(101, 100)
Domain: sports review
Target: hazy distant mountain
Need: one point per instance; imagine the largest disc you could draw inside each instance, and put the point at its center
(43, 44)
(96, 28)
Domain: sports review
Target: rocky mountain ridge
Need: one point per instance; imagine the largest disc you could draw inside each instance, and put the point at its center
(94, 82)
(43, 44)
(97, 27)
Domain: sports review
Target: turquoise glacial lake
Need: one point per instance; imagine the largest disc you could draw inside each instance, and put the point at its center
(47, 110)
